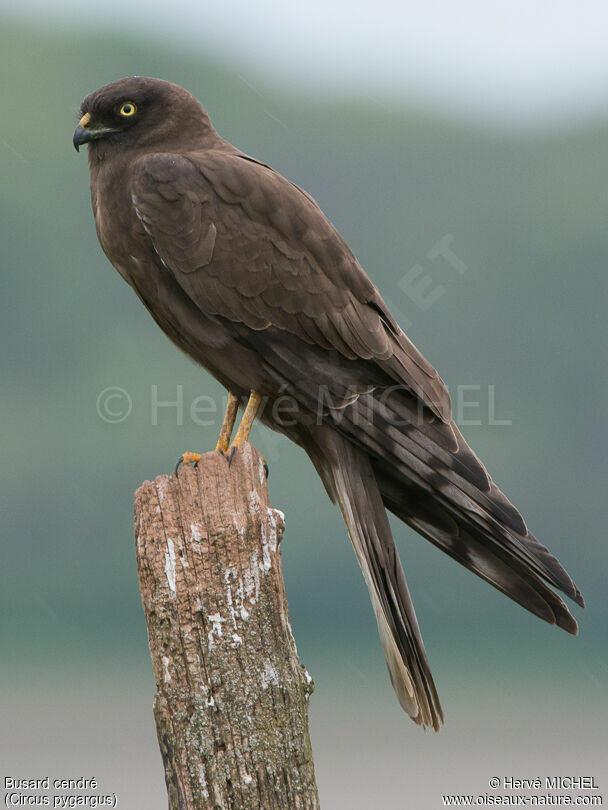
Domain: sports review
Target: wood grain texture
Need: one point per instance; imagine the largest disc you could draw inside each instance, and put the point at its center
(232, 698)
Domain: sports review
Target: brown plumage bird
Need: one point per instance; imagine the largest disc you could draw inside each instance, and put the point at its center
(243, 271)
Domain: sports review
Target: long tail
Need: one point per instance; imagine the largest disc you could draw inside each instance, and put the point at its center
(349, 477)
(378, 445)
(431, 479)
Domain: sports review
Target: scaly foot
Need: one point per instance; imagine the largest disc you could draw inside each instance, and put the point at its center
(187, 458)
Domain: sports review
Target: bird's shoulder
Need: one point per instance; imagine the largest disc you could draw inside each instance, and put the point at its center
(246, 197)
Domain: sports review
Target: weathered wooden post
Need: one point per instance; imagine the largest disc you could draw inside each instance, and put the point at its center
(231, 706)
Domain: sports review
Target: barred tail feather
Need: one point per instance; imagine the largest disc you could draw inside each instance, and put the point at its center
(350, 479)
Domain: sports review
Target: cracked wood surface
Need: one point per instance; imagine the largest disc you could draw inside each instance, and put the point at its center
(232, 698)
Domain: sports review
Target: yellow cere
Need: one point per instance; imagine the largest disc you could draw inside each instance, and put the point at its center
(85, 119)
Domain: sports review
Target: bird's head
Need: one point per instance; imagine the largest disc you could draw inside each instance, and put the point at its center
(142, 112)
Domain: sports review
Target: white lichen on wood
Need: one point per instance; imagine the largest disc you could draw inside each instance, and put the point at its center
(170, 564)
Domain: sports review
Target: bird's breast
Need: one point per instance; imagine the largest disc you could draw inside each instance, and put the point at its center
(119, 230)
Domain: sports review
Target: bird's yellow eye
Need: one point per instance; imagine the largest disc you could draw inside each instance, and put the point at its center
(128, 108)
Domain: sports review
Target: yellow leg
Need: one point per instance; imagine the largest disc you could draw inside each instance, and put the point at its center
(228, 424)
(224, 437)
(242, 434)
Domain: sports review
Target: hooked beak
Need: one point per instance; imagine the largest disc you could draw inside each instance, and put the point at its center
(83, 133)
(80, 136)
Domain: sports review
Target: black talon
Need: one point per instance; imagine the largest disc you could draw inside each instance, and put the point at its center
(230, 455)
(266, 471)
(180, 461)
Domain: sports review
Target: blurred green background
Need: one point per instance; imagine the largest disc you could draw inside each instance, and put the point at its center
(516, 325)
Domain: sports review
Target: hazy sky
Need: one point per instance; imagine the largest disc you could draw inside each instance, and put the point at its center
(502, 59)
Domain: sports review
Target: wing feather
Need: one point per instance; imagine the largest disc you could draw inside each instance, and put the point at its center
(274, 259)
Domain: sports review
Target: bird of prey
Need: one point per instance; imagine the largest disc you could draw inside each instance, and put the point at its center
(244, 273)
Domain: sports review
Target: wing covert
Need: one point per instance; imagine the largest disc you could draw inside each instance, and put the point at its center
(246, 244)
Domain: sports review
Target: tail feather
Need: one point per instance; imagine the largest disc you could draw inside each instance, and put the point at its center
(468, 545)
(377, 444)
(475, 524)
(353, 484)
